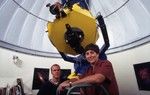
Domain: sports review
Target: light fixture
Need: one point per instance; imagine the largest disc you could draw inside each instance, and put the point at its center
(16, 60)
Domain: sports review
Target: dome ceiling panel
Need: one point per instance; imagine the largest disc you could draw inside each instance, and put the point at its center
(23, 23)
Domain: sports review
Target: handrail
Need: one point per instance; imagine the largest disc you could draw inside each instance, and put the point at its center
(83, 85)
(86, 85)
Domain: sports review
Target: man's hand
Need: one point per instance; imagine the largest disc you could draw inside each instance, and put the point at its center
(63, 86)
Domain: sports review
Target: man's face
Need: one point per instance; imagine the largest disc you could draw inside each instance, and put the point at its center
(91, 56)
(55, 72)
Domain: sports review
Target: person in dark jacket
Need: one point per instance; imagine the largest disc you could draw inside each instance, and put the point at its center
(50, 86)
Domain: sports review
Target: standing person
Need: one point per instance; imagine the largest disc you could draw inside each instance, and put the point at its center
(80, 63)
(50, 87)
(100, 73)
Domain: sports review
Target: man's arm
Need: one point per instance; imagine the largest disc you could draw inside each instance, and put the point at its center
(92, 79)
(68, 58)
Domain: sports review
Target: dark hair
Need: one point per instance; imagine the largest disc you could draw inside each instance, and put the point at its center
(93, 47)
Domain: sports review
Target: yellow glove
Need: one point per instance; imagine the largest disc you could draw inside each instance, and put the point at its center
(72, 75)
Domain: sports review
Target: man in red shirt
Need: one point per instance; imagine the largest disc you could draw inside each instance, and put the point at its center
(99, 73)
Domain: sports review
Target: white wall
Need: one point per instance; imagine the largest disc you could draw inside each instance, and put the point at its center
(10, 71)
(124, 71)
(122, 63)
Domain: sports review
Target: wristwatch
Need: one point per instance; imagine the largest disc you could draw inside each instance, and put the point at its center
(70, 84)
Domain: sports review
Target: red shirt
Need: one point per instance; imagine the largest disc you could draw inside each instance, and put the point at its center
(105, 68)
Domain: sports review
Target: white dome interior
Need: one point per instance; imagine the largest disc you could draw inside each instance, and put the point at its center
(23, 24)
